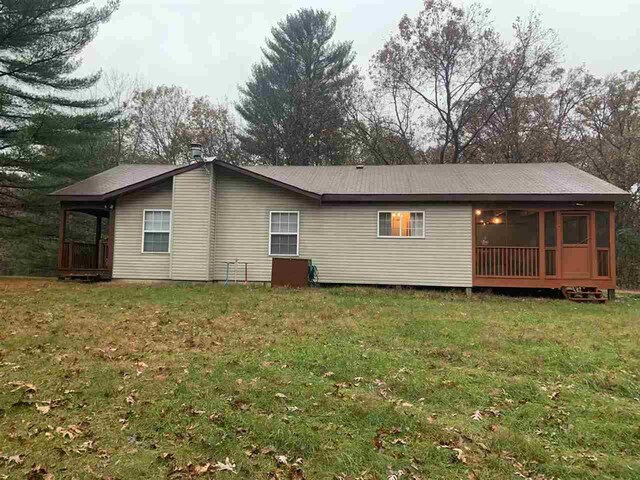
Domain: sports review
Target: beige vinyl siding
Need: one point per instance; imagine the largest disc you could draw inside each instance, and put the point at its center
(341, 239)
(190, 227)
(128, 259)
(212, 225)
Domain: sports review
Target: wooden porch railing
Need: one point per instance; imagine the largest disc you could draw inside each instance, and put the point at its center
(79, 255)
(515, 262)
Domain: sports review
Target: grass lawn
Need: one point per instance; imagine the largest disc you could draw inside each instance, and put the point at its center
(124, 381)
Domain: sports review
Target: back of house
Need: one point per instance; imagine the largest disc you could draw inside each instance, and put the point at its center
(547, 225)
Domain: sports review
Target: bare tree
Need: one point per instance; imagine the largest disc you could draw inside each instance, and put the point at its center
(378, 131)
(540, 126)
(214, 127)
(163, 121)
(120, 88)
(455, 63)
(159, 121)
(609, 129)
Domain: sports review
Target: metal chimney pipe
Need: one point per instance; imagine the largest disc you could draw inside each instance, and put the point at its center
(196, 152)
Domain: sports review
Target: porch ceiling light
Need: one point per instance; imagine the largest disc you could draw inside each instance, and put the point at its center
(478, 211)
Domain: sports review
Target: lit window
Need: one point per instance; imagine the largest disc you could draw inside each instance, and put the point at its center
(283, 234)
(401, 224)
(156, 231)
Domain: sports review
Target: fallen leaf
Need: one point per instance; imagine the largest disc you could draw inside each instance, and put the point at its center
(38, 472)
(17, 459)
(477, 415)
(44, 409)
(226, 466)
(281, 395)
(200, 469)
(71, 432)
(27, 387)
(327, 374)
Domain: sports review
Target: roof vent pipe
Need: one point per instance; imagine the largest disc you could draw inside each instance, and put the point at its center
(196, 152)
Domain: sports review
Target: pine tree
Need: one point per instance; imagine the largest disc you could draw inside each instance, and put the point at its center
(291, 102)
(49, 134)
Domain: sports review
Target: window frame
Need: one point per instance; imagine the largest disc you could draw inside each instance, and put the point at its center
(297, 234)
(424, 224)
(144, 216)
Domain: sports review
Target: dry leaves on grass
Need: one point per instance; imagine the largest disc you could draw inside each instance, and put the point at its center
(12, 459)
(379, 440)
(27, 387)
(286, 469)
(197, 470)
(71, 432)
(39, 472)
(46, 406)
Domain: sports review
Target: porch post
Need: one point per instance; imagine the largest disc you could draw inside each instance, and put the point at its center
(111, 242)
(542, 251)
(61, 236)
(612, 247)
(98, 236)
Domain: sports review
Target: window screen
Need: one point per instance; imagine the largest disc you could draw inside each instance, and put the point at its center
(283, 233)
(602, 229)
(550, 229)
(506, 228)
(157, 225)
(575, 229)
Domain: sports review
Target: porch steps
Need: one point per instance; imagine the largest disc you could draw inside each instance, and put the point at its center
(584, 294)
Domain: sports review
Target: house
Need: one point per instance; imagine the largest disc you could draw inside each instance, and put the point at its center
(546, 225)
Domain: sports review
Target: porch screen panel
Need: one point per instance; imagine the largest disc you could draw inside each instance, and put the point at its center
(507, 243)
(602, 243)
(575, 230)
(550, 243)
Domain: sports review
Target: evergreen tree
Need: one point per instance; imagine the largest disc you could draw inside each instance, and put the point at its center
(291, 103)
(49, 134)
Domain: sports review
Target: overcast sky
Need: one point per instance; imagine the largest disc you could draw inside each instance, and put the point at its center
(208, 46)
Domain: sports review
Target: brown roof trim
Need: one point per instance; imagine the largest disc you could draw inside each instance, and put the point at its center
(249, 173)
(469, 197)
(133, 187)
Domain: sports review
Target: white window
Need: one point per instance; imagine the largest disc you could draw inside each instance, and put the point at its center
(401, 224)
(283, 233)
(156, 231)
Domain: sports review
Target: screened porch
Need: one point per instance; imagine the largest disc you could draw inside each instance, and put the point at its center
(542, 246)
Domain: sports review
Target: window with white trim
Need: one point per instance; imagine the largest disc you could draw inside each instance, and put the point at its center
(283, 233)
(404, 224)
(156, 231)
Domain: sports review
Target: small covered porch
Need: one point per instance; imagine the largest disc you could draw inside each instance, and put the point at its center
(544, 246)
(85, 249)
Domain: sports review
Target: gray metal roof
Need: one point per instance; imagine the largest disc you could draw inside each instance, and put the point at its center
(447, 179)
